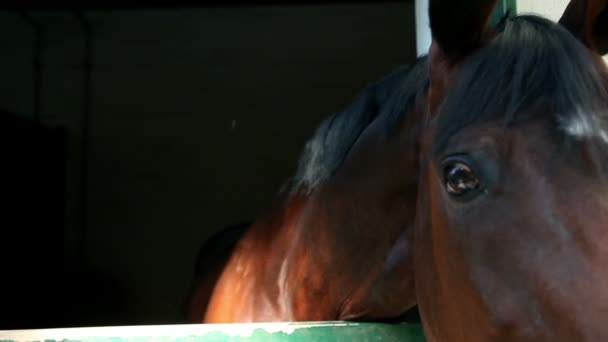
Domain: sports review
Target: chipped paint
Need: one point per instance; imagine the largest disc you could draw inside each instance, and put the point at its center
(324, 331)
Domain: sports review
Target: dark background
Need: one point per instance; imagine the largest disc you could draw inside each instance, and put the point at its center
(193, 119)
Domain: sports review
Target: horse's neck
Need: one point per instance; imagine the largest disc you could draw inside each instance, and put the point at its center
(251, 287)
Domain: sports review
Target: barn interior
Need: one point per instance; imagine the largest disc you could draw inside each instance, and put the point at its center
(132, 132)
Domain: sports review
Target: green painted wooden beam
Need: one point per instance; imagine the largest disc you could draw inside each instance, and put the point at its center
(274, 332)
(502, 7)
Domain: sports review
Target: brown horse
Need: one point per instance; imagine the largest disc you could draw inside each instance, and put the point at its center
(476, 190)
(335, 244)
(511, 233)
(210, 262)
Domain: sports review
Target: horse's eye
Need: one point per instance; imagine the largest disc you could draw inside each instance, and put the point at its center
(460, 179)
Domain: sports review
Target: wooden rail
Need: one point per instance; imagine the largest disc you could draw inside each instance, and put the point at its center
(275, 332)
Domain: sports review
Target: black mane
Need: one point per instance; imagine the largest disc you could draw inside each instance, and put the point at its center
(533, 69)
(387, 99)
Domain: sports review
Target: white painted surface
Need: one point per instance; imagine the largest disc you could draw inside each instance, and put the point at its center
(423, 30)
(550, 9)
(174, 331)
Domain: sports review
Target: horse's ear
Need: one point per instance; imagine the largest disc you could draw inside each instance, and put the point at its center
(459, 27)
(588, 21)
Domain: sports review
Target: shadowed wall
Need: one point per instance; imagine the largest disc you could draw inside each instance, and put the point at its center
(197, 116)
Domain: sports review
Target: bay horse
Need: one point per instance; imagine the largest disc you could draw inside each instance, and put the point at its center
(210, 262)
(211, 259)
(511, 230)
(476, 189)
(289, 254)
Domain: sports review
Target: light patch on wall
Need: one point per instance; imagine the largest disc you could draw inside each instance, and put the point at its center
(550, 9)
(423, 30)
